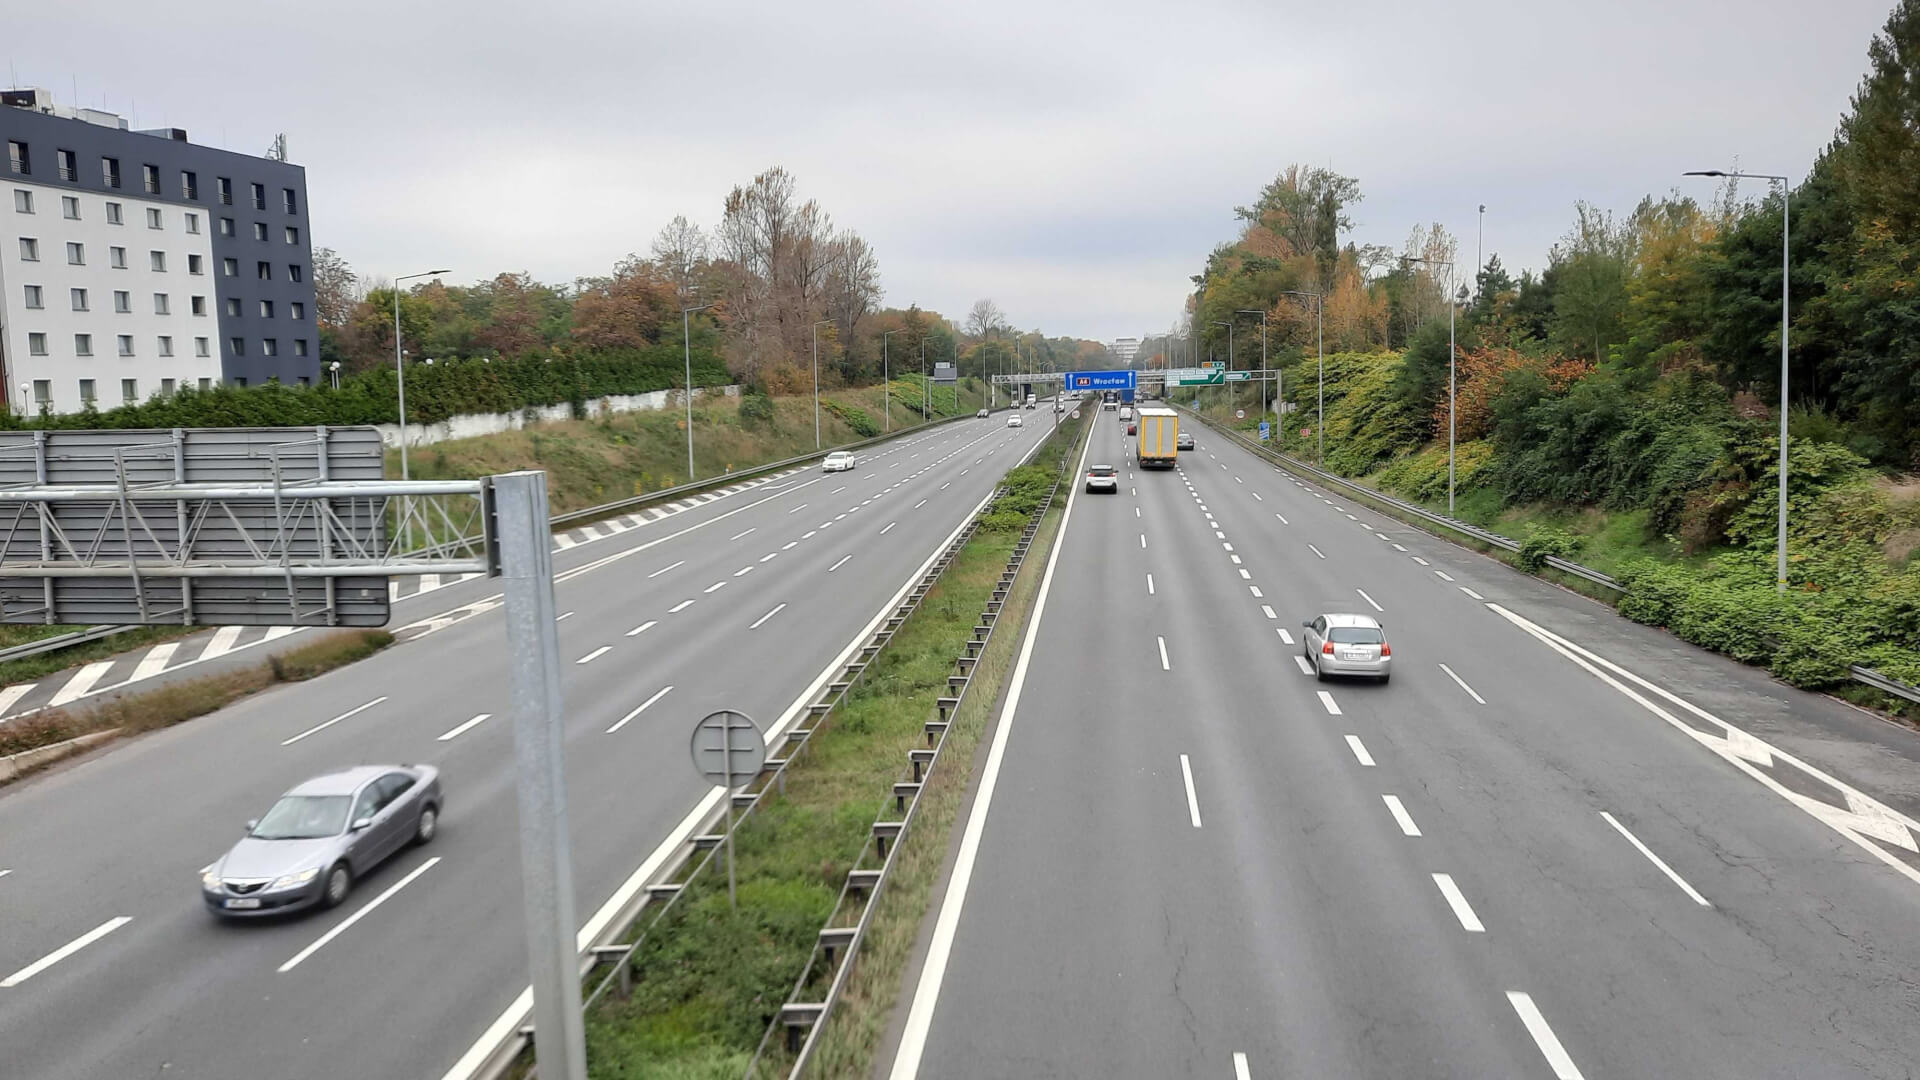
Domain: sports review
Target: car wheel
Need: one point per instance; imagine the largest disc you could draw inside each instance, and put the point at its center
(1319, 676)
(339, 884)
(1384, 678)
(427, 826)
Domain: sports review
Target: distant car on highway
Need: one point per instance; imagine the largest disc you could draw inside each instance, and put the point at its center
(1109, 405)
(1133, 429)
(1103, 478)
(839, 461)
(1347, 645)
(981, 415)
(322, 836)
(1184, 441)
(1014, 420)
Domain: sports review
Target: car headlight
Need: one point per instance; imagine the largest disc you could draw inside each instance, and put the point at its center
(209, 879)
(288, 881)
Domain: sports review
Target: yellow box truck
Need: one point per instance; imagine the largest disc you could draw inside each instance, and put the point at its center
(1159, 437)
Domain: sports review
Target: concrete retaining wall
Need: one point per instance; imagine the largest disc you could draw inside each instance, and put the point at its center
(470, 425)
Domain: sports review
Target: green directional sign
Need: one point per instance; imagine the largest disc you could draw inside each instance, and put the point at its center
(1239, 376)
(1193, 377)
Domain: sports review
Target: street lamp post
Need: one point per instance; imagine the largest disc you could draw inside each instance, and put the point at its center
(1263, 357)
(1786, 197)
(1448, 263)
(816, 381)
(926, 385)
(1320, 408)
(886, 381)
(686, 342)
(1226, 391)
(399, 366)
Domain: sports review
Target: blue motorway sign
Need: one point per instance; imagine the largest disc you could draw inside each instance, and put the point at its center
(1266, 432)
(1100, 380)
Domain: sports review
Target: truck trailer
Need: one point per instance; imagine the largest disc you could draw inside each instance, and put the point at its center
(1159, 437)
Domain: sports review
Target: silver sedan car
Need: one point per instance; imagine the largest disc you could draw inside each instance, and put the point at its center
(1347, 645)
(321, 836)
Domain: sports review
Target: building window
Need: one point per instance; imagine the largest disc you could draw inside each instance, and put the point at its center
(194, 264)
(226, 226)
(126, 344)
(151, 175)
(110, 171)
(293, 271)
(302, 380)
(83, 344)
(33, 297)
(130, 390)
(230, 267)
(118, 257)
(259, 196)
(76, 254)
(198, 305)
(266, 309)
(193, 224)
(79, 297)
(260, 230)
(239, 380)
(22, 201)
(290, 200)
(70, 208)
(67, 166)
(300, 349)
(162, 305)
(237, 346)
(154, 220)
(43, 392)
(269, 347)
(86, 391)
(233, 307)
(264, 270)
(293, 235)
(17, 159)
(29, 249)
(37, 344)
(296, 310)
(123, 301)
(164, 344)
(225, 187)
(113, 214)
(158, 261)
(166, 385)
(206, 384)
(189, 185)
(200, 348)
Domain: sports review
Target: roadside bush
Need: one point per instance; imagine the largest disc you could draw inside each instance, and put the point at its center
(1544, 541)
(756, 408)
(853, 416)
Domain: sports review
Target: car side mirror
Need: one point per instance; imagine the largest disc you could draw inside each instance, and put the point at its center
(252, 824)
(362, 823)
(1308, 624)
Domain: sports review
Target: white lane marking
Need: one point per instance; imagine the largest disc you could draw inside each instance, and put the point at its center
(1543, 1037)
(65, 951)
(1421, 561)
(1193, 801)
(1240, 1067)
(933, 970)
(837, 517)
(1457, 900)
(1218, 535)
(1443, 575)
(14, 693)
(808, 535)
(595, 655)
(301, 956)
(1136, 511)
(680, 607)
(768, 615)
(1257, 594)
(946, 485)
(738, 535)
(714, 588)
(4, 873)
(769, 556)
(1463, 684)
(1383, 536)
(1245, 575)
(838, 490)
(1164, 666)
(625, 720)
(463, 728)
(1316, 551)
(797, 509)
(1258, 498)
(335, 720)
(789, 545)
(1143, 541)
(1359, 751)
(1286, 638)
(641, 629)
(1350, 517)
(1237, 480)
(1333, 708)
(150, 665)
(84, 679)
(1267, 610)
(744, 571)
(920, 504)
(1397, 547)
(1400, 815)
(1149, 584)
(222, 642)
(1656, 860)
(563, 617)
(1134, 490)
(664, 569)
(883, 532)
(838, 565)
(1369, 599)
(1471, 593)
(1283, 520)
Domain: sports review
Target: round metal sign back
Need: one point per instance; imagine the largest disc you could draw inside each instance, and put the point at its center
(728, 748)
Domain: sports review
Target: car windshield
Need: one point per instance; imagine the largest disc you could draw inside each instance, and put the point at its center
(1355, 635)
(1100, 470)
(304, 817)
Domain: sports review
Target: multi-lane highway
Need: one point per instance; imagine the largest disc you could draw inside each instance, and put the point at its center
(110, 967)
(1556, 844)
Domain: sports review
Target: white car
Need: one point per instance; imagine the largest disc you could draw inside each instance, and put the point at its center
(839, 461)
(981, 415)
(1014, 420)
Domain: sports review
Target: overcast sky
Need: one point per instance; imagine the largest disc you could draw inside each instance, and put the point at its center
(1075, 161)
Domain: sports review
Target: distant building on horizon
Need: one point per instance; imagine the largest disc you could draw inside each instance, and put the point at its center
(1126, 349)
(138, 263)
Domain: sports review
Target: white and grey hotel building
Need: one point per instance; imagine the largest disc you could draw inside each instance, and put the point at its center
(134, 263)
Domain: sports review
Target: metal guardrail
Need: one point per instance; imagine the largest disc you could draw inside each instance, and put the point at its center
(62, 641)
(1859, 674)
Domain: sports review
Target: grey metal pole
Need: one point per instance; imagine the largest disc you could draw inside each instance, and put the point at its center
(926, 385)
(400, 372)
(886, 381)
(1452, 409)
(726, 747)
(1479, 263)
(1786, 196)
(1320, 423)
(816, 382)
(546, 868)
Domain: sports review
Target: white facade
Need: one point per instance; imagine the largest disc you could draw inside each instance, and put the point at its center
(137, 315)
(1125, 349)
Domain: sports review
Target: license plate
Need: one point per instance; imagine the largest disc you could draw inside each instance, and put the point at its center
(243, 902)
(1354, 654)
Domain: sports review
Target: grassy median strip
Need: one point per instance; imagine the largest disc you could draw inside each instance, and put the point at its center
(163, 706)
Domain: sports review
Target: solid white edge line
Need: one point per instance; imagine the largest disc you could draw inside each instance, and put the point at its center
(463, 728)
(595, 655)
(1359, 751)
(625, 720)
(776, 610)
(335, 720)
(926, 994)
(340, 928)
(65, 951)
(496, 1034)
(1400, 815)
(1193, 801)
(1543, 1037)
(1656, 860)
(1462, 684)
(1457, 900)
